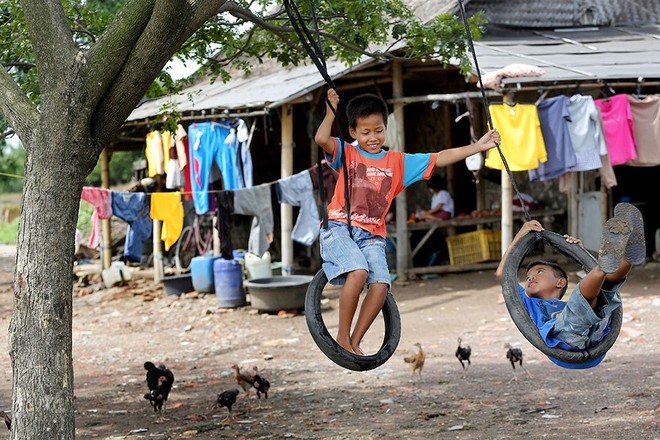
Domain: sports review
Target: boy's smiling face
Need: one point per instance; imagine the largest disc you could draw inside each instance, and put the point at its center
(541, 282)
(370, 133)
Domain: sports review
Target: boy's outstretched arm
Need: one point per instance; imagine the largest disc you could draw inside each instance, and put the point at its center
(529, 226)
(324, 132)
(453, 155)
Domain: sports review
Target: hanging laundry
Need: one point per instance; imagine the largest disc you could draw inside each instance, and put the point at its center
(297, 190)
(243, 156)
(618, 128)
(166, 206)
(157, 151)
(181, 141)
(132, 207)
(646, 124)
(522, 140)
(256, 201)
(554, 117)
(329, 176)
(207, 145)
(224, 210)
(101, 200)
(586, 133)
(175, 178)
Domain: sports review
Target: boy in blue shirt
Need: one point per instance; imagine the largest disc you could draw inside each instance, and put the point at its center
(584, 319)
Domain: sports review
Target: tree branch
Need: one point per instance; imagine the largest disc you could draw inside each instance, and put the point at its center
(170, 24)
(52, 41)
(239, 12)
(16, 108)
(6, 134)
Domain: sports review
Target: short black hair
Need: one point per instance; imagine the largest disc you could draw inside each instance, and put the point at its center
(365, 105)
(556, 269)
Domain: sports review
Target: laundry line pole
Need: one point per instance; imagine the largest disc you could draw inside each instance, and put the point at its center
(106, 232)
(286, 170)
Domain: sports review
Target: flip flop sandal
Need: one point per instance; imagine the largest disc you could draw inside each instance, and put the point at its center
(616, 232)
(636, 248)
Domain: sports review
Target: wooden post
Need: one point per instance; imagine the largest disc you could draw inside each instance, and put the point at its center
(157, 251)
(604, 203)
(403, 245)
(106, 238)
(507, 212)
(286, 170)
(573, 206)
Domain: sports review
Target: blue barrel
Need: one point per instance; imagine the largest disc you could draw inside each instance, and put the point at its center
(228, 283)
(201, 270)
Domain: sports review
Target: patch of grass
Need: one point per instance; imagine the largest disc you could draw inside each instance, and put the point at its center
(9, 232)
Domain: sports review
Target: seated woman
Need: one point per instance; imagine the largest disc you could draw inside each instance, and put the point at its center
(442, 205)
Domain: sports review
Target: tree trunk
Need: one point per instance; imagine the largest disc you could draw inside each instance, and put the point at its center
(40, 341)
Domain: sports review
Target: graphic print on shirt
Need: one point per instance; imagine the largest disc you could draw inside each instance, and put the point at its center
(370, 187)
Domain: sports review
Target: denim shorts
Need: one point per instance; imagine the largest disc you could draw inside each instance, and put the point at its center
(341, 254)
(581, 326)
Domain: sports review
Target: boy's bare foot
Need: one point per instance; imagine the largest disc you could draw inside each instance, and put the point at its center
(616, 232)
(636, 247)
(345, 344)
(357, 350)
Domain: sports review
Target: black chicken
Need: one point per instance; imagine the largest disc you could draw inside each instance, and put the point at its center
(515, 355)
(262, 385)
(159, 381)
(227, 399)
(463, 354)
(7, 419)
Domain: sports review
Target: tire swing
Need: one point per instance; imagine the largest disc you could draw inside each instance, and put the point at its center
(315, 324)
(336, 352)
(519, 313)
(514, 302)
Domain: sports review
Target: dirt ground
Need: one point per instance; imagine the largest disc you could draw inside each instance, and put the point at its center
(116, 330)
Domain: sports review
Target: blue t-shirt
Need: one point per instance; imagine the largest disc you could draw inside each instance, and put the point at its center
(554, 118)
(544, 313)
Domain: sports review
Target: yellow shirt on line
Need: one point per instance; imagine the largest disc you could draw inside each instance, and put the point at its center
(166, 206)
(522, 140)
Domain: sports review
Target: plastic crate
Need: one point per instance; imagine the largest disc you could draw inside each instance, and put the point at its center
(475, 247)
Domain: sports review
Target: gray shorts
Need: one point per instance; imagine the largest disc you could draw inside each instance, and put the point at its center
(341, 254)
(579, 325)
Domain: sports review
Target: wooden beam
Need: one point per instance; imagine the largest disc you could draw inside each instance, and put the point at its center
(286, 170)
(106, 239)
(402, 251)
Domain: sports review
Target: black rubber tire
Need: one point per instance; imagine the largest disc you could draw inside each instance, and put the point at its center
(331, 348)
(517, 308)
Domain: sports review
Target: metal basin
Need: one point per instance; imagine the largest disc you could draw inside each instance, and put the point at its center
(278, 293)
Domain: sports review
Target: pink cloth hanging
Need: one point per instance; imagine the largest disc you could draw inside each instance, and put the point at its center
(101, 200)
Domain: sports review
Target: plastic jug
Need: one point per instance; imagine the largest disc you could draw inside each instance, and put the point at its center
(118, 272)
(258, 267)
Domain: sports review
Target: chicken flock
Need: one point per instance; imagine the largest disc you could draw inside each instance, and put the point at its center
(160, 380)
(463, 353)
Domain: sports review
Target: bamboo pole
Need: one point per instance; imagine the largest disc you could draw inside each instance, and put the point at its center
(402, 248)
(157, 251)
(286, 170)
(106, 239)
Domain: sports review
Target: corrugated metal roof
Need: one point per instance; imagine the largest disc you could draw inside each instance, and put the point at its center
(567, 13)
(607, 53)
(263, 89)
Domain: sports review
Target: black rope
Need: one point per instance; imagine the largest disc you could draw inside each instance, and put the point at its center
(315, 52)
(485, 101)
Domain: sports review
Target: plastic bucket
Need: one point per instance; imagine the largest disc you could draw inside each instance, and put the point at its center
(201, 270)
(258, 267)
(228, 283)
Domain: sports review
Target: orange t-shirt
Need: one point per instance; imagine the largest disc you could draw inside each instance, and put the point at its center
(375, 179)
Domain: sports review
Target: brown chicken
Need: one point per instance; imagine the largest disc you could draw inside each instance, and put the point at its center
(244, 380)
(417, 359)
